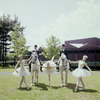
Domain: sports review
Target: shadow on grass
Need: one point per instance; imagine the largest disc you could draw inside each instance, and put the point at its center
(42, 86)
(55, 87)
(24, 89)
(45, 87)
(71, 85)
(89, 91)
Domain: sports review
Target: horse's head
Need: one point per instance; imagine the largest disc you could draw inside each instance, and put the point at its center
(34, 57)
(63, 56)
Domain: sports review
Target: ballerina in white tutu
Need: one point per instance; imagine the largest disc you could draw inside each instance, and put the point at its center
(80, 72)
(49, 67)
(21, 71)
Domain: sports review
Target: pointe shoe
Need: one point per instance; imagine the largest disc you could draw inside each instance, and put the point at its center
(49, 83)
(62, 85)
(20, 87)
(83, 88)
(27, 88)
(75, 90)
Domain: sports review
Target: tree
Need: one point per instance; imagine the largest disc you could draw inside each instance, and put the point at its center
(18, 43)
(53, 47)
(6, 26)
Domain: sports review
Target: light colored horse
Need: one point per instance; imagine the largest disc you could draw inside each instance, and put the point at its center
(64, 67)
(35, 67)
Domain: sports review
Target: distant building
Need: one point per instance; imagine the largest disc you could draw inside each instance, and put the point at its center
(88, 46)
(41, 56)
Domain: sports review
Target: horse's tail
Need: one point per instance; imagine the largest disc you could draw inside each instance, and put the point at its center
(52, 58)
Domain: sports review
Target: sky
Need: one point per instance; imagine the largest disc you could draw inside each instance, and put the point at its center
(64, 19)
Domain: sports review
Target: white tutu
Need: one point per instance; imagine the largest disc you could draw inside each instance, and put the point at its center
(52, 64)
(81, 72)
(52, 67)
(21, 72)
(49, 71)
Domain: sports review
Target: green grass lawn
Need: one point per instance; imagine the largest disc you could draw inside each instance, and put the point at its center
(9, 88)
(7, 69)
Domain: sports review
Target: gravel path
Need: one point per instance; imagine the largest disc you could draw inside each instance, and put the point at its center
(41, 73)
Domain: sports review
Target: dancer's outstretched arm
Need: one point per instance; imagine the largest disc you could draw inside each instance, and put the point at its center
(87, 67)
(74, 61)
(17, 65)
(67, 60)
(28, 59)
(52, 67)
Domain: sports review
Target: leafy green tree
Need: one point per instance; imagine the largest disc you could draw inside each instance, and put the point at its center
(18, 43)
(52, 48)
(6, 26)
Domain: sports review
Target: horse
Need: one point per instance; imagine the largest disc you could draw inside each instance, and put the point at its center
(35, 67)
(64, 67)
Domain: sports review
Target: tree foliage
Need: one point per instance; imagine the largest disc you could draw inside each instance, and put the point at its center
(6, 27)
(18, 43)
(52, 48)
(7, 24)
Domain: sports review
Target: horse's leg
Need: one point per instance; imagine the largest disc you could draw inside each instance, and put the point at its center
(68, 66)
(61, 72)
(37, 76)
(38, 73)
(32, 72)
(66, 71)
(49, 79)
